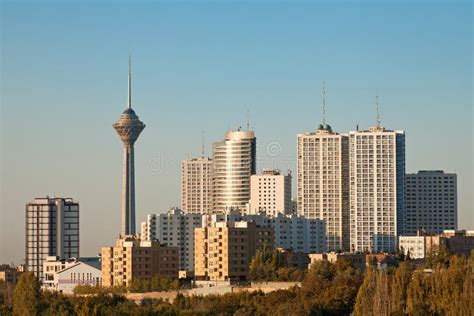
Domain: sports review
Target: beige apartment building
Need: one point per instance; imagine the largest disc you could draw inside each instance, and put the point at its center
(323, 182)
(356, 259)
(223, 250)
(377, 189)
(196, 185)
(132, 258)
(270, 193)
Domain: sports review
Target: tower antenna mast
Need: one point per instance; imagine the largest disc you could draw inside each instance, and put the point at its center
(248, 119)
(377, 107)
(324, 103)
(129, 105)
(202, 145)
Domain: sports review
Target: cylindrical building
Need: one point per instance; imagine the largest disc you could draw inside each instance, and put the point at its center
(234, 162)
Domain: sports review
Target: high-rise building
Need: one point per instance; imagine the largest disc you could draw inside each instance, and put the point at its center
(196, 185)
(174, 228)
(132, 258)
(323, 182)
(270, 192)
(52, 229)
(377, 188)
(223, 250)
(431, 202)
(234, 161)
(129, 127)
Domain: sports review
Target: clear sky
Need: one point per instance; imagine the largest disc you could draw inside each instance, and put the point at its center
(200, 66)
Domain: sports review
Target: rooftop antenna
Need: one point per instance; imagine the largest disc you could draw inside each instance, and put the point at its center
(324, 104)
(129, 105)
(202, 139)
(377, 107)
(248, 119)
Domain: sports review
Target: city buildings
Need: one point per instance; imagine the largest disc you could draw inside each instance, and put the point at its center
(196, 185)
(459, 242)
(129, 127)
(63, 275)
(270, 192)
(223, 250)
(175, 228)
(52, 229)
(357, 259)
(431, 202)
(377, 188)
(234, 161)
(291, 232)
(323, 185)
(132, 258)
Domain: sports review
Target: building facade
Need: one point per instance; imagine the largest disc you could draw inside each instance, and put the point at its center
(176, 229)
(52, 229)
(323, 182)
(196, 185)
(431, 202)
(223, 250)
(377, 189)
(132, 258)
(234, 161)
(10, 274)
(270, 192)
(63, 275)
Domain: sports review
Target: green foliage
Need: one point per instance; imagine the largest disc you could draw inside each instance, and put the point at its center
(273, 265)
(27, 295)
(86, 289)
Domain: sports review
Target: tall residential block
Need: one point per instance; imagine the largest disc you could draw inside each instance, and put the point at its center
(129, 127)
(270, 192)
(223, 250)
(174, 228)
(52, 229)
(234, 161)
(431, 202)
(132, 258)
(377, 189)
(196, 185)
(323, 182)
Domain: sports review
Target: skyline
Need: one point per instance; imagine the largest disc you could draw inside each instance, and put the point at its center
(213, 85)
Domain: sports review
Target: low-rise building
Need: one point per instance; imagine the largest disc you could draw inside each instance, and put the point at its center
(223, 250)
(132, 258)
(357, 259)
(10, 274)
(63, 275)
(459, 242)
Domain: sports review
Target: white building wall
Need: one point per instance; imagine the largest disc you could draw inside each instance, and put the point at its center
(270, 192)
(196, 185)
(415, 245)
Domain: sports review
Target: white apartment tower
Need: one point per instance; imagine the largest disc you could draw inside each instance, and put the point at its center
(431, 202)
(270, 193)
(196, 185)
(377, 188)
(52, 229)
(174, 228)
(234, 161)
(323, 186)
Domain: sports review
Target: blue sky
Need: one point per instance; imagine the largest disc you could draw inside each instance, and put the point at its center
(200, 66)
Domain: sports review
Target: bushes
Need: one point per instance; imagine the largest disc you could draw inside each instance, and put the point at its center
(157, 283)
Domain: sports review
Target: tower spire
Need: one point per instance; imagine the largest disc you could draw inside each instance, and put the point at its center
(377, 107)
(323, 88)
(129, 104)
(202, 145)
(248, 119)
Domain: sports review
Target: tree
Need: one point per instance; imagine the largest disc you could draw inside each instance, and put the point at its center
(26, 296)
(417, 294)
(399, 287)
(365, 296)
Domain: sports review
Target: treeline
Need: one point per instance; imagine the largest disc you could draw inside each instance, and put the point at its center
(443, 289)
